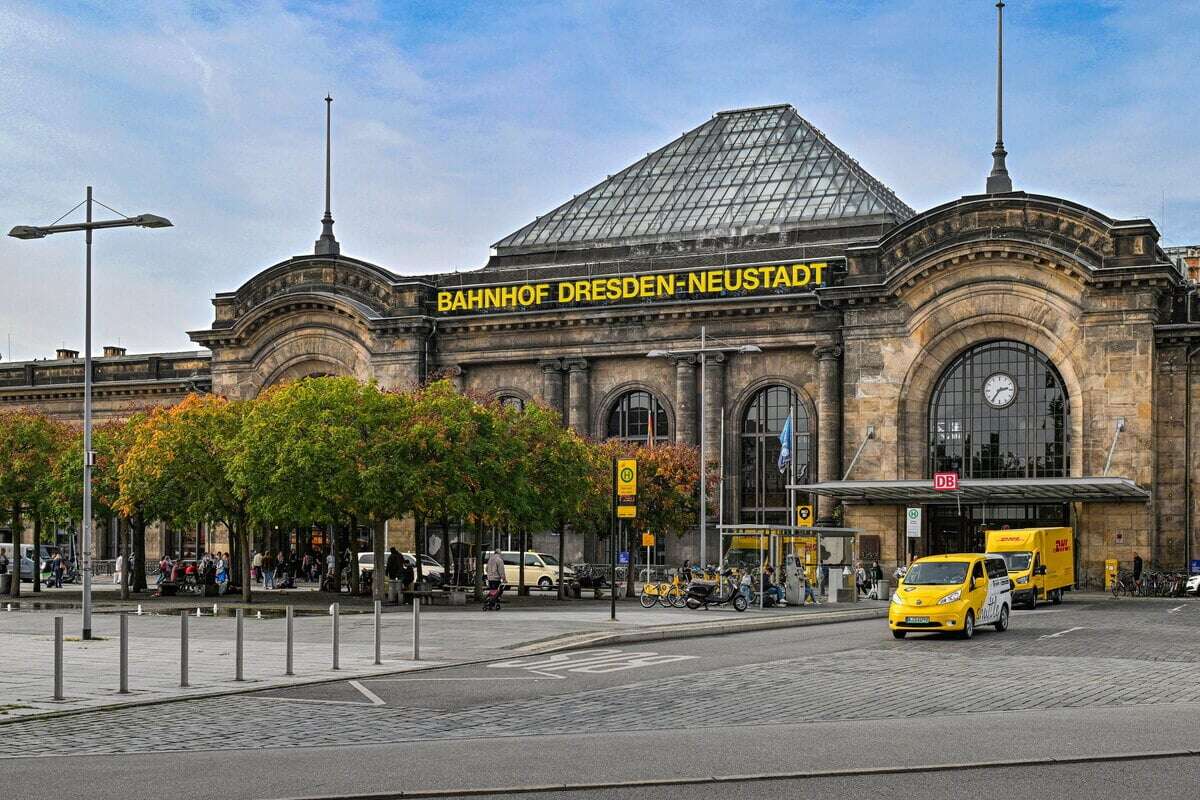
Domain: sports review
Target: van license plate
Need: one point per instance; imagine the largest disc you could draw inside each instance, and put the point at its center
(916, 620)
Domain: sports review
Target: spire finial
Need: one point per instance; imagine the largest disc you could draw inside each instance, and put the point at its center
(327, 245)
(999, 181)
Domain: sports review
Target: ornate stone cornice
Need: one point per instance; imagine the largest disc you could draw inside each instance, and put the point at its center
(551, 364)
(827, 352)
(575, 364)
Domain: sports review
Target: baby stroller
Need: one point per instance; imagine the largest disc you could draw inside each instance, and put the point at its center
(491, 599)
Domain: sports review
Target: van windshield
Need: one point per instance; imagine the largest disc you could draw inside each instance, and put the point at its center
(550, 561)
(1016, 562)
(936, 573)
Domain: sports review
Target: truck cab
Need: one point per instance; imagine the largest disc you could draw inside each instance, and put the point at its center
(1040, 561)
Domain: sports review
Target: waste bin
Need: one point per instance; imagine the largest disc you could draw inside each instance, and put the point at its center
(1110, 572)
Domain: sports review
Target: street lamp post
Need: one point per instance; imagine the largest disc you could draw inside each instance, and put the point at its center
(89, 457)
(703, 350)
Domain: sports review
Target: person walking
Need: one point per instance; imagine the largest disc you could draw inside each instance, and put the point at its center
(395, 587)
(494, 571)
(57, 568)
(119, 571)
(222, 576)
(860, 578)
(268, 571)
(257, 563)
(407, 576)
(1137, 570)
(808, 590)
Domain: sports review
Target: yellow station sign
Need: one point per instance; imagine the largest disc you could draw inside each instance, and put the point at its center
(626, 477)
(653, 286)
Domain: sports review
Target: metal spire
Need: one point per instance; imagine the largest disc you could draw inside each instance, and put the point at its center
(999, 181)
(327, 245)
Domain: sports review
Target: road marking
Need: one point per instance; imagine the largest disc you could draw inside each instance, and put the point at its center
(1061, 633)
(1176, 608)
(372, 698)
(544, 676)
(590, 662)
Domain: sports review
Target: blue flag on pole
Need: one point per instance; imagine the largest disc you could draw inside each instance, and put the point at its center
(785, 445)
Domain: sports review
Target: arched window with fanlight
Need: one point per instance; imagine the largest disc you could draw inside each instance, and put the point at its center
(638, 416)
(764, 476)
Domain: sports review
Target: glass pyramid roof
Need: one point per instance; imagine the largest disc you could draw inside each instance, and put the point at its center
(744, 171)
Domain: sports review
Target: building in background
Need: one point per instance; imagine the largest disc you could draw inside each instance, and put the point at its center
(1035, 346)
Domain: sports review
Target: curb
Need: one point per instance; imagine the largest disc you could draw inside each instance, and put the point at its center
(575, 640)
(755, 777)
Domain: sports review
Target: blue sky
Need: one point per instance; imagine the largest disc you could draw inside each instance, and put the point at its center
(456, 123)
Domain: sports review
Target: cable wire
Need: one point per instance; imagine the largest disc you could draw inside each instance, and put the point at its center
(64, 216)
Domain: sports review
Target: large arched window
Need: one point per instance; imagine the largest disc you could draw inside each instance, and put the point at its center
(511, 401)
(763, 496)
(634, 415)
(1000, 410)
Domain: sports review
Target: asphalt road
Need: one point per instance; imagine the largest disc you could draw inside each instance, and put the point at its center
(1085, 679)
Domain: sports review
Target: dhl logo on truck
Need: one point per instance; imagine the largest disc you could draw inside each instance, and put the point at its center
(1011, 538)
(1062, 545)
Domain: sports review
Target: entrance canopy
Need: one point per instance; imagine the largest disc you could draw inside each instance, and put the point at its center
(994, 491)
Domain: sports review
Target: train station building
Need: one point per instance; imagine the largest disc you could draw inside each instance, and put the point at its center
(1036, 347)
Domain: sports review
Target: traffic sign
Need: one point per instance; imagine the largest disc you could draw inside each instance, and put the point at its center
(626, 512)
(623, 557)
(647, 540)
(912, 521)
(804, 516)
(626, 477)
(945, 481)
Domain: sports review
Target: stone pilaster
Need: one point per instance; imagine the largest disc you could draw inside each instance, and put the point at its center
(552, 383)
(579, 395)
(714, 400)
(829, 422)
(685, 400)
(454, 373)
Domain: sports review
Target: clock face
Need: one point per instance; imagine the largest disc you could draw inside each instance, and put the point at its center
(999, 390)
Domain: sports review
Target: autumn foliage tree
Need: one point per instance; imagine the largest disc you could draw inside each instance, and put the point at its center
(29, 444)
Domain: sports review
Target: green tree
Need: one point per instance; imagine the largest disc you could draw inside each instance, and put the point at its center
(29, 446)
(177, 469)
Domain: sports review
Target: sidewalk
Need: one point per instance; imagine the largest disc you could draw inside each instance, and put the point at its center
(448, 636)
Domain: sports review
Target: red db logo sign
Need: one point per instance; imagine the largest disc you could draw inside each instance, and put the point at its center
(945, 481)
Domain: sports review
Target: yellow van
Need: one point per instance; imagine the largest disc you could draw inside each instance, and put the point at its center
(954, 593)
(1041, 562)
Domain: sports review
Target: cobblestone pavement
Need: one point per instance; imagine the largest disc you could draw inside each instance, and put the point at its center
(1088, 656)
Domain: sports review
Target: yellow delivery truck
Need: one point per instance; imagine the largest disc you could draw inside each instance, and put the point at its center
(1041, 562)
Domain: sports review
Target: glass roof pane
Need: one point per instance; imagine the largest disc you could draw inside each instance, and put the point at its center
(753, 167)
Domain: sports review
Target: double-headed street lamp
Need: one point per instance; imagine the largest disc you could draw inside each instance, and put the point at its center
(89, 458)
(700, 352)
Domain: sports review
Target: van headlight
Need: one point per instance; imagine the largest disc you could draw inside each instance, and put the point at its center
(950, 598)
(896, 599)
(1023, 579)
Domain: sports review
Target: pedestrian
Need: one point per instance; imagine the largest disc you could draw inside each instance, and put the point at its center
(771, 588)
(494, 572)
(330, 567)
(3, 563)
(57, 568)
(268, 571)
(1137, 570)
(393, 573)
(808, 590)
(222, 576)
(257, 563)
(407, 574)
(306, 566)
(860, 578)
(119, 571)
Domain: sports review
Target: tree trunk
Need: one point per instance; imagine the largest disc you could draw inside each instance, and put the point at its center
(352, 548)
(243, 541)
(562, 550)
(522, 590)
(477, 577)
(139, 552)
(15, 563)
(37, 552)
(419, 545)
(123, 528)
(379, 572)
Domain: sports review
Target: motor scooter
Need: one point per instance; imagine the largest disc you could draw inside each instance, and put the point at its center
(703, 595)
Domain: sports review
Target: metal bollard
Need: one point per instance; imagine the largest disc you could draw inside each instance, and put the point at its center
(239, 659)
(183, 650)
(335, 608)
(378, 632)
(416, 629)
(124, 654)
(58, 658)
(288, 670)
